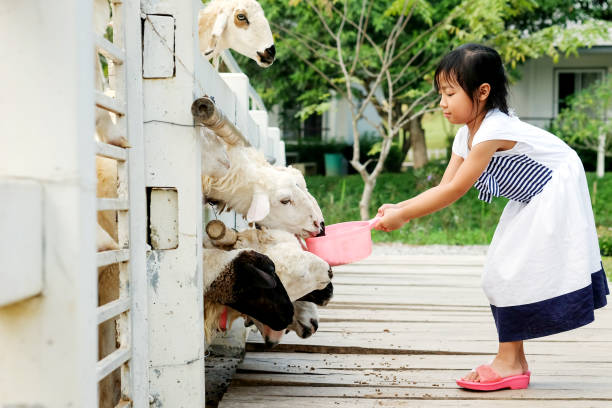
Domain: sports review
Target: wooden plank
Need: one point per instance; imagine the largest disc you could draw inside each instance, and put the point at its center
(112, 309)
(111, 257)
(476, 260)
(303, 362)
(265, 401)
(401, 270)
(110, 151)
(432, 379)
(535, 393)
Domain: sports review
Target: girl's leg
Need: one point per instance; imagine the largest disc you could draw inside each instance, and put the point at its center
(510, 360)
(523, 358)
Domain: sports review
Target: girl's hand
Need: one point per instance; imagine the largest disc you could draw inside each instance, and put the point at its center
(391, 220)
(382, 208)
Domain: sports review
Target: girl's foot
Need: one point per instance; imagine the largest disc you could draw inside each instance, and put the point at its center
(510, 360)
(502, 367)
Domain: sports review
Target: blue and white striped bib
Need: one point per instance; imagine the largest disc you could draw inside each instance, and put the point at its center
(516, 177)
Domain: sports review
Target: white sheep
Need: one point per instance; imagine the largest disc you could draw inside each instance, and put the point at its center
(273, 197)
(245, 281)
(237, 24)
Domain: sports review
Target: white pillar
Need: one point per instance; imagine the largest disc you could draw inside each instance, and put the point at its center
(49, 342)
(173, 160)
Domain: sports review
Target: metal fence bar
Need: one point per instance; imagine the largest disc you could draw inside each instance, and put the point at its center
(112, 362)
(112, 257)
(112, 204)
(109, 50)
(110, 151)
(110, 104)
(112, 309)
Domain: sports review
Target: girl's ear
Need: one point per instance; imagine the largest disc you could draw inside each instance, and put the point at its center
(483, 91)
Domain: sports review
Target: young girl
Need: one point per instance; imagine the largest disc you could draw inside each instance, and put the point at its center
(543, 274)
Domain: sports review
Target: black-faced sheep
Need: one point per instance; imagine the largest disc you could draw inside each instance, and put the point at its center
(245, 281)
(237, 24)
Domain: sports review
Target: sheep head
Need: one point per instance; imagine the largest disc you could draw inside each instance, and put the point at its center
(319, 297)
(249, 284)
(305, 323)
(286, 206)
(305, 319)
(237, 24)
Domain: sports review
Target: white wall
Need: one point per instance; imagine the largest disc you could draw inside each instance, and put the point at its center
(533, 96)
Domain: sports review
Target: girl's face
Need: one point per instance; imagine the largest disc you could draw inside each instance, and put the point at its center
(457, 106)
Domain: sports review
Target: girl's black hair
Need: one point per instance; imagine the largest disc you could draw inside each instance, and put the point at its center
(472, 65)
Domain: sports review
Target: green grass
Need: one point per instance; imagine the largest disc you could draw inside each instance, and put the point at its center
(469, 221)
(607, 264)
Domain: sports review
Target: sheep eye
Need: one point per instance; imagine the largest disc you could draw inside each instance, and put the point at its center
(242, 17)
(286, 201)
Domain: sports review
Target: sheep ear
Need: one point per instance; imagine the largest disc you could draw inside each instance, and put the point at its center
(260, 207)
(217, 31)
(261, 279)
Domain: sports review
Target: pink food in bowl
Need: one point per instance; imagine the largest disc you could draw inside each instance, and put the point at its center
(344, 243)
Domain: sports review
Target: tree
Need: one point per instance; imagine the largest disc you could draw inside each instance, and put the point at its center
(382, 54)
(585, 123)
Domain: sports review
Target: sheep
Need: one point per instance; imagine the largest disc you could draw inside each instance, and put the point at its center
(320, 297)
(305, 323)
(237, 24)
(270, 196)
(245, 281)
(215, 162)
(305, 317)
(300, 271)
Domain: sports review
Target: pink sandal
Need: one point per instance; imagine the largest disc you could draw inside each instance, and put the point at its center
(491, 381)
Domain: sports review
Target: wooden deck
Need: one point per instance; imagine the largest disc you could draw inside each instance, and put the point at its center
(400, 330)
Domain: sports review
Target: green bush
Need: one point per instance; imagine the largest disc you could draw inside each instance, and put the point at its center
(394, 161)
(605, 245)
(314, 151)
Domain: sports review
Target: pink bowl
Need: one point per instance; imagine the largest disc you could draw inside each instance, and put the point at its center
(344, 243)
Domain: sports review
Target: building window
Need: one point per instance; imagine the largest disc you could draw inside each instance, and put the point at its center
(570, 81)
(312, 128)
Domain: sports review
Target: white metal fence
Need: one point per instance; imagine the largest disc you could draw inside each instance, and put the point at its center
(49, 310)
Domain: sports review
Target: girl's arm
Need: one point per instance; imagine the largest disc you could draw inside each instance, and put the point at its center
(451, 169)
(457, 180)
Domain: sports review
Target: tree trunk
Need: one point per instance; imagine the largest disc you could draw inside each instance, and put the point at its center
(366, 197)
(417, 141)
(601, 154)
(405, 135)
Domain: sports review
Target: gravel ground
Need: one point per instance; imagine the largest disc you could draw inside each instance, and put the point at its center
(404, 249)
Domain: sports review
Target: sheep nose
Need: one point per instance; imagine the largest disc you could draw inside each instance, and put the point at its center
(315, 325)
(271, 51)
(267, 57)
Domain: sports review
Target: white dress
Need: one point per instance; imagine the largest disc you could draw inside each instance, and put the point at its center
(543, 274)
